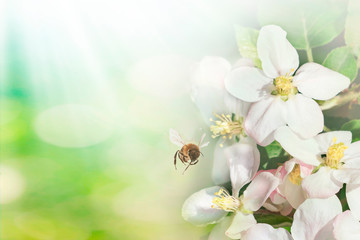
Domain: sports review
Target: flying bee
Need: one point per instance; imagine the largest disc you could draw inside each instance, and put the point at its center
(189, 152)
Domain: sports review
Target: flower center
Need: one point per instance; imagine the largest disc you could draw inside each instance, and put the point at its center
(225, 202)
(227, 127)
(295, 175)
(284, 86)
(334, 154)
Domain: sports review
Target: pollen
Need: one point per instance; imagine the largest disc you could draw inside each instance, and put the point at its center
(225, 201)
(226, 127)
(295, 175)
(284, 86)
(334, 154)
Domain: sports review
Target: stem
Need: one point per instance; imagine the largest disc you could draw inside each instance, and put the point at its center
(342, 99)
(308, 48)
(309, 53)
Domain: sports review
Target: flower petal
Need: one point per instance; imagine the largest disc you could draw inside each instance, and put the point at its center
(346, 227)
(304, 116)
(318, 82)
(248, 84)
(218, 232)
(220, 171)
(240, 223)
(347, 175)
(197, 208)
(264, 118)
(321, 184)
(278, 57)
(305, 150)
(235, 105)
(244, 161)
(313, 215)
(352, 197)
(259, 190)
(352, 155)
(325, 140)
(262, 231)
(211, 71)
(293, 193)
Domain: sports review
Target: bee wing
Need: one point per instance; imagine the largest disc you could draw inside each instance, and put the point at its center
(201, 144)
(175, 138)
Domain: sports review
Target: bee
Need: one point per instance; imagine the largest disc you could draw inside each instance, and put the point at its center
(189, 152)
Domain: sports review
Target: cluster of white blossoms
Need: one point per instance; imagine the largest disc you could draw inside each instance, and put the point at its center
(245, 106)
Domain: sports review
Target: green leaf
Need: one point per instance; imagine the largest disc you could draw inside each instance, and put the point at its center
(246, 39)
(352, 27)
(274, 220)
(354, 127)
(274, 149)
(341, 60)
(308, 23)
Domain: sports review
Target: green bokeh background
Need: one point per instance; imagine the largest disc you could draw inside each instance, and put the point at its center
(109, 56)
(89, 90)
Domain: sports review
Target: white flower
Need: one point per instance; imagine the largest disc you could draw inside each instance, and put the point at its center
(336, 159)
(223, 112)
(211, 205)
(319, 219)
(278, 97)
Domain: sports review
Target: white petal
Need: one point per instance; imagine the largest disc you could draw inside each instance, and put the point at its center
(352, 155)
(197, 208)
(304, 117)
(262, 231)
(318, 82)
(325, 140)
(305, 150)
(264, 118)
(313, 215)
(346, 227)
(293, 193)
(347, 175)
(235, 105)
(209, 100)
(259, 190)
(218, 232)
(243, 160)
(211, 72)
(278, 57)
(244, 62)
(352, 197)
(240, 223)
(220, 171)
(321, 184)
(248, 84)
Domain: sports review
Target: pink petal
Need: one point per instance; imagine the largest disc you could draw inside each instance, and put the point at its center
(264, 118)
(248, 84)
(277, 55)
(313, 215)
(346, 227)
(318, 82)
(304, 116)
(259, 190)
(321, 184)
(262, 231)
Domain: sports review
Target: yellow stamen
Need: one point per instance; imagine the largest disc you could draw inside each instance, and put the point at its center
(295, 175)
(284, 86)
(225, 201)
(226, 127)
(334, 154)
